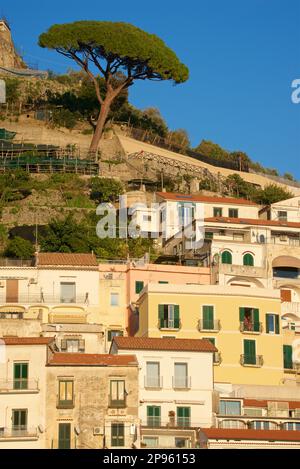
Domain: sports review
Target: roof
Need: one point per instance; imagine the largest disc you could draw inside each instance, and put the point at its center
(151, 343)
(27, 340)
(205, 198)
(66, 259)
(245, 434)
(91, 359)
(264, 403)
(253, 221)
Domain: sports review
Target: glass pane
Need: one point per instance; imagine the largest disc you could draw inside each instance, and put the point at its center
(180, 375)
(152, 370)
(150, 441)
(69, 391)
(271, 323)
(68, 292)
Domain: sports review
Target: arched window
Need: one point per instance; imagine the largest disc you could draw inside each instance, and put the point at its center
(248, 259)
(226, 257)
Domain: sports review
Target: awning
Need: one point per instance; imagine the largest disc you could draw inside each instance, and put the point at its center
(12, 309)
(286, 261)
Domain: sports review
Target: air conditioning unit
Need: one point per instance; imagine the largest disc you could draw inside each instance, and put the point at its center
(98, 431)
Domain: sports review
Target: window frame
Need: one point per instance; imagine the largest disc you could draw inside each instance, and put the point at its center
(65, 403)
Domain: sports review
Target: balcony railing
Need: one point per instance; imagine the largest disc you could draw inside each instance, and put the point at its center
(184, 382)
(154, 422)
(117, 403)
(290, 307)
(67, 404)
(251, 327)
(209, 325)
(18, 385)
(21, 431)
(169, 324)
(153, 382)
(252, 360)
(183, 422)
(243, 270)
(80, 298)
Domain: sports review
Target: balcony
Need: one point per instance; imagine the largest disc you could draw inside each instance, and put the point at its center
(19, 386)
(18, 433)
(169, 324)
(155, 382)
(184, 382)
(43, 298)
(242, 270)
(251, 327)
(252, 360)
(183, 422)
(291, 367)
(67, 404)
(117, 403)
(153, 422)
(290, 307)
(209, 325)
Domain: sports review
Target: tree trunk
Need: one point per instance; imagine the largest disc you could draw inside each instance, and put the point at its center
(100, 126)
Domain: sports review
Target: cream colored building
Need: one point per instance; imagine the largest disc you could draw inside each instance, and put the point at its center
(174, 397)
(23, 392)
(92, 401)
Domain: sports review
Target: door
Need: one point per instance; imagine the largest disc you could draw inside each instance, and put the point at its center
(19, 421)
(64, 436)
(20, 375)
(288, 357)
(153, 416)
(183, 416)
(208, 317)
(286, 295)
(249, 352)
(12, 291)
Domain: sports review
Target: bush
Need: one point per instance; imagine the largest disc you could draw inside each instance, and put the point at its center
(20, 248)
(105, 189)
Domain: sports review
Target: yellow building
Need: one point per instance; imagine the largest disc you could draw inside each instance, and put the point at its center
(243, 323)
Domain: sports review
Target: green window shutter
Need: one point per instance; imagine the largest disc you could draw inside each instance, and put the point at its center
(64, 436)
(256, 319)
(248, 259)
(242, 314)
(288, 356)
(211, 339)
(139, 286)
(276, 323)
(226, 257)
(163, 281)
(176, 316)
(267, 323)
(208, 317)
(249, 352)
(161, 315)
(17, 370)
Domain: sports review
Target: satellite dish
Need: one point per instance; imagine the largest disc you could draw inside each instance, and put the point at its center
(77, 430)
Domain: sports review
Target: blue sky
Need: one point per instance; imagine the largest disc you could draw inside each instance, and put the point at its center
(242, 56)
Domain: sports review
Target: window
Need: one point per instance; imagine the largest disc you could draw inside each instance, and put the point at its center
(19, 420)
(181, 375)
(182, 443)
(64, 436)
(291, 426)
(232, 424)
(147, 218)
(168, 316)
(117, 393)
(117, 434)
(249, 320)
(230, 407)
(183, 416)
(186, 213)
(226, 257)
(20, 375)
(153, 375)
(288, 357)
(249, 352)
(114, 299)
(248, 259)
(233, 213)
(112, 334)
(150, 441)
(263, 425)
(209, 235)
(65, 393)
(218, 211)
(163, 281)
(153, 416)
(207, 317)
(282, 215)
(139, 285)
(272, 323)
(68, 292)
(72, 345)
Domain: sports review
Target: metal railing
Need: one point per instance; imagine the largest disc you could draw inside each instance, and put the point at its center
(209, 325)
(117, 403)
(153, 382)
(8, 262)
(169, 324)
(65, 404)
(16, 385)
(20, 431)
(80, 298)
(254, 360)
(251, 326)
(181, 382)
(183, 422)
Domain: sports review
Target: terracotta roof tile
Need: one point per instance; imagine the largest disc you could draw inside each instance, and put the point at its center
(245, 434)
(66, 259)
(264, 403)
(204, 198)
(27, 340)
(151, 343)
(91, 359)
(253, 221)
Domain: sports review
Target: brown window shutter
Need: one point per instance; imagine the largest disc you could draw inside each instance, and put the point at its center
(82, 345)
(63, 344)
(286, 295)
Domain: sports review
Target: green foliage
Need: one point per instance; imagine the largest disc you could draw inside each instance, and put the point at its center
(64, 118)
(19, 248)
(65, 236)
(12, 89)
(289, 176)
(179, 137)
(238, 187)
(105, 189)
(145, 55)
(271, 194)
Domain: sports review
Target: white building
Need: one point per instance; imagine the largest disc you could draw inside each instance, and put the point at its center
(175, 385)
